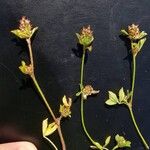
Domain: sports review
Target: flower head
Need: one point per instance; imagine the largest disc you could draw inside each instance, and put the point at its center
(65, 108)
(134, 33)
(88, 90)
(25, 30)
(85, 37)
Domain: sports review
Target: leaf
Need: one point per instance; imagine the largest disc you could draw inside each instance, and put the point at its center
(111, 102)
(142, 34)
(93, 147)
(141, 43)
(124, 32)
(44, 125)
(34, 30)
(78, 36)
(121, 95)
(48, 129)
(128, 144)
(19, 34)
(52, 127)
(113, 96)
(107, 141)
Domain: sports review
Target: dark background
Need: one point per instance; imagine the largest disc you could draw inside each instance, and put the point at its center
(58, 70)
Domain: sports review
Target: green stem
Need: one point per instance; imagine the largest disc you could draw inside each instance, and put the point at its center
(43, 97)
(136, 126)
(83, 124)
(82, 100)
(133, 77)
(50, 142)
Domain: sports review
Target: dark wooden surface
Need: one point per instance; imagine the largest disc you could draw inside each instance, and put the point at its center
(57, 70)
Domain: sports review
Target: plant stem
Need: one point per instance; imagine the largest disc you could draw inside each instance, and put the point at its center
(136, 126)
(82, 100)
(50, 142)
(133, 76)
(43, 96)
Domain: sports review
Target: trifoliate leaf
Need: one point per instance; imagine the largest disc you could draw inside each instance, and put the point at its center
(141, 43)
(107, 141)
(124, 32)
(111, 102)
(121, 95)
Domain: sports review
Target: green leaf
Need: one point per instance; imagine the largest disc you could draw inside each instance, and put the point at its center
(93, 147)
(141, 43)
(142, 34)
(107, 141)
(48, 129)
(44, 125)
(124, 32)
(121, 95)
(111, 102)
(113, 96)
(122, 142)
(20, 34)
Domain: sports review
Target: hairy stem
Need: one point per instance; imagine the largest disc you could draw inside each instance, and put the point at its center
(137, 128)
(43, 96)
